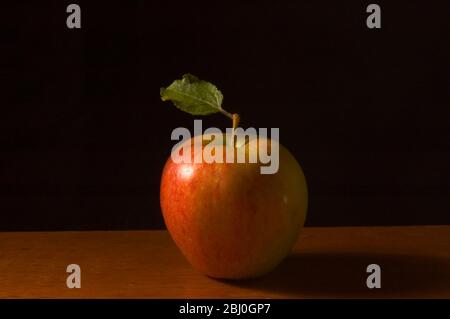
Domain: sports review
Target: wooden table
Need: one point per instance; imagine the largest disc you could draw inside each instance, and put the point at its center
(326, 262)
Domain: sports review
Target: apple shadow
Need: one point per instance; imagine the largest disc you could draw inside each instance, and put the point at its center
(344, 275)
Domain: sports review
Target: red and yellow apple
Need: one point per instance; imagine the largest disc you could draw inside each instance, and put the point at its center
(229, 220)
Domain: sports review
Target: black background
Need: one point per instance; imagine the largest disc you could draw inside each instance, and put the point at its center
(84, 135)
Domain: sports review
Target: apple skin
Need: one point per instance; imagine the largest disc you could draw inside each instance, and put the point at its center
(229, 220)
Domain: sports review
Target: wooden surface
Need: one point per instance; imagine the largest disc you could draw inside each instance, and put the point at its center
(327, 262)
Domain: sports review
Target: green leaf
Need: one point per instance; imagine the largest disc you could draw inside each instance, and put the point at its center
(194, 96)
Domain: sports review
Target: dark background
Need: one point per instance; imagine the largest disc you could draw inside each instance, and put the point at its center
(84, 135)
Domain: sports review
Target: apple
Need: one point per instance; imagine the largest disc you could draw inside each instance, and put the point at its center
(229, 220)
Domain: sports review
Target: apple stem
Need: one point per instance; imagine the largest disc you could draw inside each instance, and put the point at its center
(234, 117)
(227, 114)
